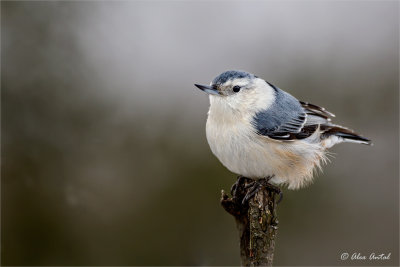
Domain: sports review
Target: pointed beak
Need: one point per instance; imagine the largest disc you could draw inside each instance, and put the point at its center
(208, 89)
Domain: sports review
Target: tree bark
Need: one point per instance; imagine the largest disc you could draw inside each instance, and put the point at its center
(256, 220)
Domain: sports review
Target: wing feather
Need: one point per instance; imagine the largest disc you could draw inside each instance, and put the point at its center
(285, 119)
(289, 119)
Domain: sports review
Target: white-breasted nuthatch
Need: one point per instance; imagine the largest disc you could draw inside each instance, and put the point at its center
(258, 130)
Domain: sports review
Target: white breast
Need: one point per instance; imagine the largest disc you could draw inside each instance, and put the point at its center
(235, 143)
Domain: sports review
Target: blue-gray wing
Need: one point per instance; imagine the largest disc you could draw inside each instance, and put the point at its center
(289, 119)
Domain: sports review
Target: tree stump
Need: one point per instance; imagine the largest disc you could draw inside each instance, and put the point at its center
(256, 220)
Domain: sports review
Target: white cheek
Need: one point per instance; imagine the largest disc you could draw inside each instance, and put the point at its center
(253, 100)
(243, 104)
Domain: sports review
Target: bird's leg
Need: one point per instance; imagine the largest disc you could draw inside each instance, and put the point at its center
(236, 184)
(256, 185)
(265, 182)
(252, 189)
(238, 188)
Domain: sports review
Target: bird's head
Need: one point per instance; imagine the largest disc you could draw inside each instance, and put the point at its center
(238, 90)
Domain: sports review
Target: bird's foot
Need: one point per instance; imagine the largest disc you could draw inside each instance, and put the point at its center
(242, 191)
(238, 189)
(255, 186)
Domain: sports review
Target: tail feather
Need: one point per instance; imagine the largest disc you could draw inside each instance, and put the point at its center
(344, 133)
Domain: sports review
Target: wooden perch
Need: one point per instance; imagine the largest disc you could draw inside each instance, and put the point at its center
(256, 221)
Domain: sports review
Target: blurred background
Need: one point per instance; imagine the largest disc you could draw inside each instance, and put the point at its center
(104, 154)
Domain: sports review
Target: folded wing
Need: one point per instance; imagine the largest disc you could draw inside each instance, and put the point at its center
(289, 119)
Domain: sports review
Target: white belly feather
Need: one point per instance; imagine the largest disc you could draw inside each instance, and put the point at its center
(235, 143)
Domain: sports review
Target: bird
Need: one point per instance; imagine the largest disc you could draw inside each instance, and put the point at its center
(258, 130)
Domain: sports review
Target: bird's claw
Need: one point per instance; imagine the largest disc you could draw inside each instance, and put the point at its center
(255, 186)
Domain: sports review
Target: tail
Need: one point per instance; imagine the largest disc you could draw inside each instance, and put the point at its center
(343, 134)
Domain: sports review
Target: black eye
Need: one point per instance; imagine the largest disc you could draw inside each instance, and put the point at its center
(236, 88)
